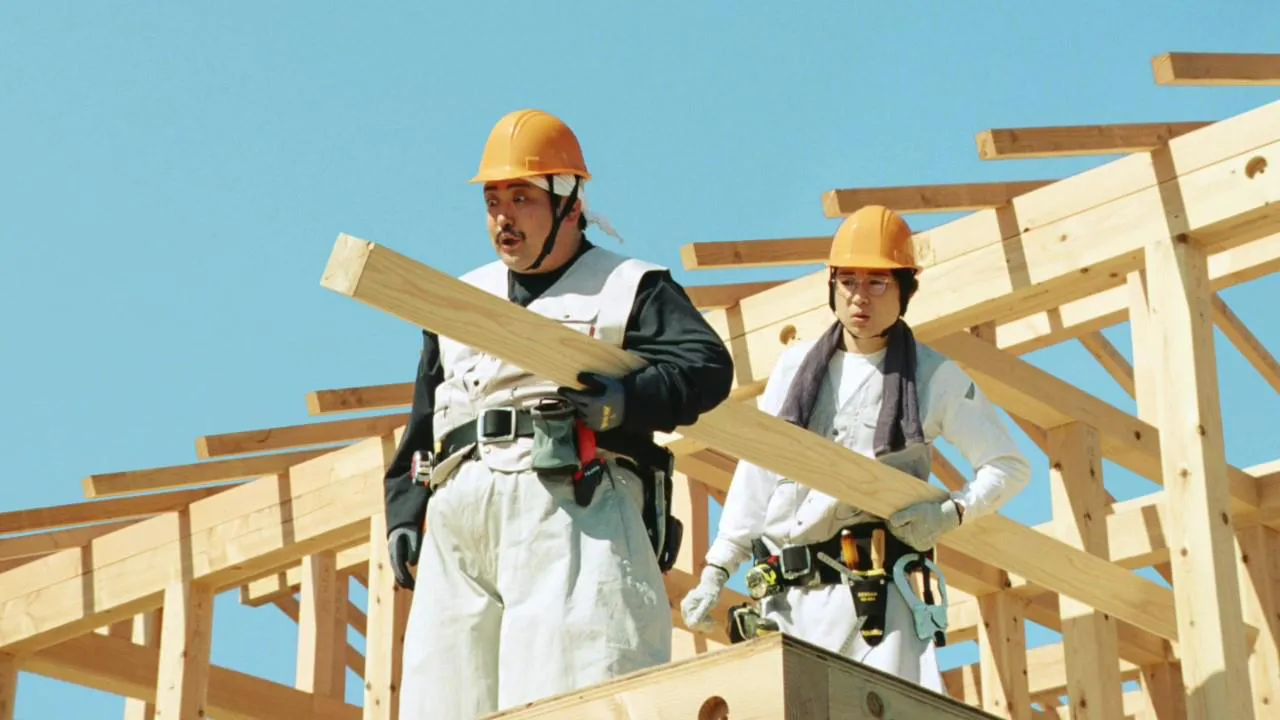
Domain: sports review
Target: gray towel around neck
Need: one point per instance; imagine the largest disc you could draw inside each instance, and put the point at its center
(899, 421)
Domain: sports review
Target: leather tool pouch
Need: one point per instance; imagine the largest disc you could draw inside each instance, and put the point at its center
(555, 441)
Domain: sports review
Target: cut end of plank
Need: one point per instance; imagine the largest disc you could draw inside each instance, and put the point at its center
(202, 448)
(346, 264)
(689, 257)
(315, 405)
(830, 204)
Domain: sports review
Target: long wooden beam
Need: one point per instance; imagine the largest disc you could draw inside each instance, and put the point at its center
(293, 437)
(86, 513)
(1054, 245)
(1077, 140)
(372, 397)
(1185, 68)
(723, 254)
(397, 285)
(719, 297)
(205, 473)
(954, 197)
(118, 666)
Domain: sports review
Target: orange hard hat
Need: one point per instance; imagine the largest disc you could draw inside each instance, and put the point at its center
(529, 143)
(873, 237)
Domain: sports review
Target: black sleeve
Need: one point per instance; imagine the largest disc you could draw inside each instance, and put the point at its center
(690, 370)
(407, 500)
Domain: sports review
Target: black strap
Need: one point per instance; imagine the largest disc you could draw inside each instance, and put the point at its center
(492, 425)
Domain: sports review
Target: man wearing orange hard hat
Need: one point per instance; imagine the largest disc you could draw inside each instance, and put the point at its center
(829, 573)
(546, 509)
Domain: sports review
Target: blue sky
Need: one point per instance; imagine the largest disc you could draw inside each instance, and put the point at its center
(176, 174)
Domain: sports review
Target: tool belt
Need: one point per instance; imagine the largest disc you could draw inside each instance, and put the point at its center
(652, 463)
(868, 552)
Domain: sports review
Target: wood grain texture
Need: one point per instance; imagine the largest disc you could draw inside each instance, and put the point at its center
(427, 298)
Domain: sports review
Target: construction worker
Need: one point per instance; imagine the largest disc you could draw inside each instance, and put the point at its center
(546, 515)
(868, 385)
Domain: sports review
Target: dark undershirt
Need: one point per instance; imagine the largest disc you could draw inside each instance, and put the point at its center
(689, 372)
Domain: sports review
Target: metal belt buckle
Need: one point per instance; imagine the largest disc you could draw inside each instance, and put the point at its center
(483, 438)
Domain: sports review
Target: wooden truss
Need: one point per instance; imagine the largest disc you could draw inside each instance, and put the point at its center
(116, 593)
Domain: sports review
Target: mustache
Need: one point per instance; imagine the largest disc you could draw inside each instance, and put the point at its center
(508, 232)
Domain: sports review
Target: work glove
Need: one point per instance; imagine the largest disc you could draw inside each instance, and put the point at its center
(601, 402)
(921, 525)
(404, 544)
(697, 605)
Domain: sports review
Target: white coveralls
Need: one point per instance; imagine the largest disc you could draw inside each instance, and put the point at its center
(521, 593)
(782, 512)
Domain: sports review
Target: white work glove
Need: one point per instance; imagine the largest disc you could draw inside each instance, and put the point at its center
(697, 605)
(921, 525)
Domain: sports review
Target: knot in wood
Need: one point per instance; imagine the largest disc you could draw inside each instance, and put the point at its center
(875, 705)
(1256, 166)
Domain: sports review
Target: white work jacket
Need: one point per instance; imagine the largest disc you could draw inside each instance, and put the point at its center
(595, 296)
(760, 504)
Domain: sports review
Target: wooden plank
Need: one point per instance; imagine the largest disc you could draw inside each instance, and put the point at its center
(1246, 342)
(1216, 69)
(322, 627)
(186, 639)
(179, 476)
(293, 437)
(263, 590)
(1079, 510)
(776, 677)
(1002, 656)
(388, 614)
(719, 297)
(393, 396)
(85, 513)
(52, 540)
(120, 667)
(1110, 359)
(781, 252)
(1259, 571)
(231, 537)
(145, 631)
(404, 288)
(955, 197)
(1197, 509)
(1077, 140)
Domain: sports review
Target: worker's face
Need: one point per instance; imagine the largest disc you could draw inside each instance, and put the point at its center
(519, 218)
(866, 301)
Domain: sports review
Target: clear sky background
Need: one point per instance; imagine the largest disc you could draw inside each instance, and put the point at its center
(174, 176)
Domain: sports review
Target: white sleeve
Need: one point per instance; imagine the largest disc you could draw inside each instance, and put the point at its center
(747, 502)
(971, 423)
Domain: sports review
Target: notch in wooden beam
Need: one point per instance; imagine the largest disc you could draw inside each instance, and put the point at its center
(1077, 140)
(1216, 69)
(755, 253)
(959, 197)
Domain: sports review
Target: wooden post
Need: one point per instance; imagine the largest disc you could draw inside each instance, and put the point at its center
(1197, 512)
(186, 638)
(1080, 518)
(384, 633)
(145, 631)
(322, 627)
(689, 504)
(1260, 591)
(1002, 648)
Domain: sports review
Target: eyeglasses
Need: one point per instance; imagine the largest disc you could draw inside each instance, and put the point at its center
(874, 285)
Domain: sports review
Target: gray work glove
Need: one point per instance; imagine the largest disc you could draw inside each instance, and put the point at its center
(697, 605)
(404, 544)
(921, 525)
(601, 402)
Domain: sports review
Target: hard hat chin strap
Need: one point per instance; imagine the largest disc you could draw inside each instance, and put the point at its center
(558, 214)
